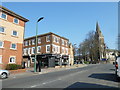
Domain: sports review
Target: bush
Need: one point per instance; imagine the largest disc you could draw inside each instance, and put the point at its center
(13, 67)
(86, 62)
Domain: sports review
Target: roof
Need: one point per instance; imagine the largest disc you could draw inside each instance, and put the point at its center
(112, 50)
(44, 35)
(3, 9)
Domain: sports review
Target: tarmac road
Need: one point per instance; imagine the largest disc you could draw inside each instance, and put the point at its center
(92, 76)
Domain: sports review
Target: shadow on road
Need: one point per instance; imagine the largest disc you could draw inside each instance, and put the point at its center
(87, 85)
(104, 76)
(112, 69)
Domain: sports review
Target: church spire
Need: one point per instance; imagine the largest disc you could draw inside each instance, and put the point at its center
(98, 29)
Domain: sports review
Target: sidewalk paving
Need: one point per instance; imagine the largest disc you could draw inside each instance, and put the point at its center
(30, 71)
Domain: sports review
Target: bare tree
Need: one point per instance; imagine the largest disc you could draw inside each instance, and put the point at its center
(89, 47)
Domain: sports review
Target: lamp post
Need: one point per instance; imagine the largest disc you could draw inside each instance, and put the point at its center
(36, 41)
(74, 46)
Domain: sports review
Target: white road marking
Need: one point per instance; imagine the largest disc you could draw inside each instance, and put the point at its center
(44, 83)
(57, 79)
(33, 86)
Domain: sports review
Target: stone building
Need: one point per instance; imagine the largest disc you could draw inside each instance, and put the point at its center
(101, 43)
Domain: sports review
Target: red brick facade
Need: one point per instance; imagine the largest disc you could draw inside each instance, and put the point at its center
(6, 52)
(7, 38)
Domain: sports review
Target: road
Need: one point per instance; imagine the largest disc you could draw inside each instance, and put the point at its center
(92, 76)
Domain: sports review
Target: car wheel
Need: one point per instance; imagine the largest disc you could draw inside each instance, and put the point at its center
(3, 75)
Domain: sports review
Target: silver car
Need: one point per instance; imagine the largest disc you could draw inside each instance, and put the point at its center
(4, 74)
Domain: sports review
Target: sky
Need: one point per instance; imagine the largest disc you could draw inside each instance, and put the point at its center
(73, 20)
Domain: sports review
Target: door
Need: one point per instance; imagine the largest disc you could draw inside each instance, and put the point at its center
(51, 61)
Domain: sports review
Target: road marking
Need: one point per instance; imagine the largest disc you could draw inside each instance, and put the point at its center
(57, 79)
(44, 83)
(33, 86)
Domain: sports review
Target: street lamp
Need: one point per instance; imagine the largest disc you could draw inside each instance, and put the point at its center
(36, 43)
(74, 46)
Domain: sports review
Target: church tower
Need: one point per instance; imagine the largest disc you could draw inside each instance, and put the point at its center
(100, 41)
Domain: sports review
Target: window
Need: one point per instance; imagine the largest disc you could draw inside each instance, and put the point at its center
(14, 33)
(58, 40)
(33, 42)
(24, 51)
(32, 60)
(26, 43)
(29, 42)
(55, 39)
(4, 16)
(68, 43)
(2, 29)
(13, 46)
(1, 44)
(66, 51)
(0, 59)
(16, 20)
(33, 50)
(56, 49)
(48, 38)
(62, 49)
(29, 50)
(62, 42)
(12, 60)
(47, 48)
(53, 48)
(39, 40)
(38, 49)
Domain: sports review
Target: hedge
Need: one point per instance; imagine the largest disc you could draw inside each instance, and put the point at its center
(13, 67)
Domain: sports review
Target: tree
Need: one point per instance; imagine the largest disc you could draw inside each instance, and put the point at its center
(89, 48)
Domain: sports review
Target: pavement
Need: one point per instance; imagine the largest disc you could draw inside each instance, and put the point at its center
(30, 71)
(90, 76)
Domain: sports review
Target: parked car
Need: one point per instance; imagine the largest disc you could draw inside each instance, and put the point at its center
(4, 74)
(117, 68)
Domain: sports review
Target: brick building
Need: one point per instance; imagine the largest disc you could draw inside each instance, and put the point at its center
(53, 50)
(12, 28)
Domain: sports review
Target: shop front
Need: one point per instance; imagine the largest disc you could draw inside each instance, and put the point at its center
(65, 60)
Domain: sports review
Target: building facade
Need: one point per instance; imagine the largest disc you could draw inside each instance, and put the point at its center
(52, 50)
(12, 28)
(111, 55)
